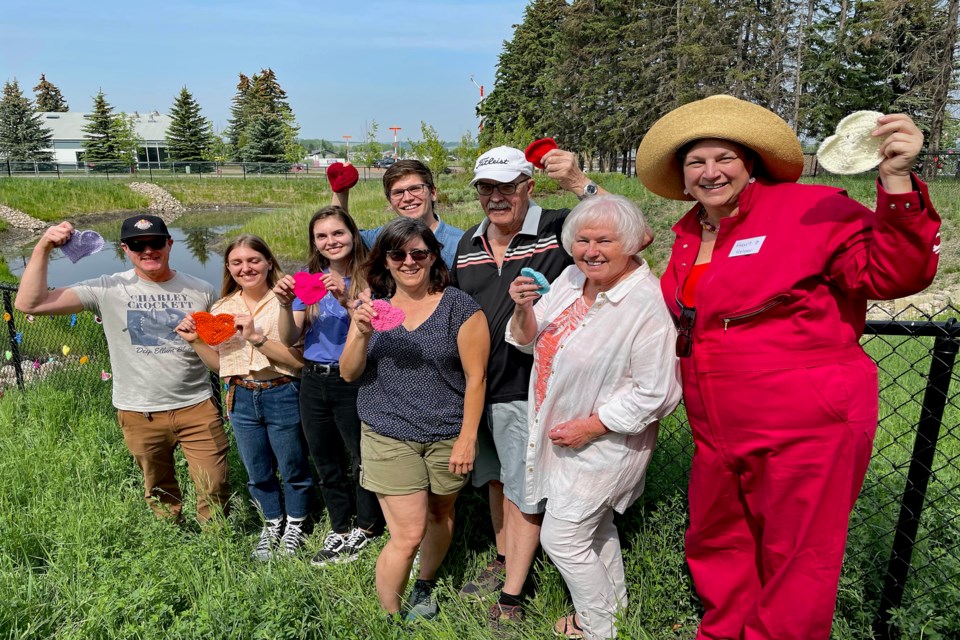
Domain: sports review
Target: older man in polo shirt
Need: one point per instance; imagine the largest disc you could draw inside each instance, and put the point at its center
(516, 233)
(161, 389)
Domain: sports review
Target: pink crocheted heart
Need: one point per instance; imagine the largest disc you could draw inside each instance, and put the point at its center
(342, 176)
(309, 287)
(388, 316)
(82, 244)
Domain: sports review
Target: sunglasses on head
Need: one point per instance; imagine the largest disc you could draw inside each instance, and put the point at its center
(399, 255)
(139, 245)
(688, 315)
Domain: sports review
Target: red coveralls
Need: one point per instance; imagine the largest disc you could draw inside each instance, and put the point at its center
(781, 398)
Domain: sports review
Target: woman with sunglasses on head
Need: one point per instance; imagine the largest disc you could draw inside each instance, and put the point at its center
(411, 193)
(769, 280)
(264, 386)
(421, 395)
(328, 404)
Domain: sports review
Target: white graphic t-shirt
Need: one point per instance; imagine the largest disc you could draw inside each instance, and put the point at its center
(153, 368)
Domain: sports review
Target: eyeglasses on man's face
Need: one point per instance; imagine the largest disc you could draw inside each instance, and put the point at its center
(138, 246)
(418, 255)
(505, 188)
(416, 190)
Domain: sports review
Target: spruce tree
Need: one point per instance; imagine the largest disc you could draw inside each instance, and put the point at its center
(49, 97)
(109, 138)
(241, 115)
(190, 135)
(258, 95)
(265, 142)
(23, 138)
(520, 88)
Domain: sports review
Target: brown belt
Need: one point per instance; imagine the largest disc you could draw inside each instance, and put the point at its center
(254, 385)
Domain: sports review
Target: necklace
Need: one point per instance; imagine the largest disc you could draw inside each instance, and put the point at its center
(706, 224)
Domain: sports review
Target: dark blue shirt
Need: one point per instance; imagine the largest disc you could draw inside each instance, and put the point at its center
(413, 385)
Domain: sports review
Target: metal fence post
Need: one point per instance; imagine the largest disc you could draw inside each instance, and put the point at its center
(12, 332)
(921, 464)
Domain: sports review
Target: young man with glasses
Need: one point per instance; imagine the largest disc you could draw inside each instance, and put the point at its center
(161, 389)
(516, 233)
(408, 185)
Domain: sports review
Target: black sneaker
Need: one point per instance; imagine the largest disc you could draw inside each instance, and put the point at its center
(423, 606)
(269, 540)
(356, 541)
(334, 546)
(293, 537)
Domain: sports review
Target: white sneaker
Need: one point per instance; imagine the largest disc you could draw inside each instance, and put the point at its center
(269, 540)
(293, 537)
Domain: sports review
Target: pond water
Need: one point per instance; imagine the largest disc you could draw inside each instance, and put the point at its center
(195, 236)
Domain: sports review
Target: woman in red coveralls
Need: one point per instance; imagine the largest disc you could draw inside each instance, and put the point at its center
(769, 281)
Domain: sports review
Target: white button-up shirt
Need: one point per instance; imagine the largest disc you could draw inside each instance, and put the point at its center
(618, 363)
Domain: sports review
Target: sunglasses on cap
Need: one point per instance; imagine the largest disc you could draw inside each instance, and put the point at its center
(399, 255)
(138, 246)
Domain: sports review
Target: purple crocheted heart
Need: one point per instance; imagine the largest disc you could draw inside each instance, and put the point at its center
(82, 244)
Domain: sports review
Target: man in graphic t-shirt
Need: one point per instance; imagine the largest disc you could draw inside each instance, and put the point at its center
(161, 389)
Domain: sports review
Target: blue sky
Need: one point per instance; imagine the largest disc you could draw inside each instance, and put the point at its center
(343, 64)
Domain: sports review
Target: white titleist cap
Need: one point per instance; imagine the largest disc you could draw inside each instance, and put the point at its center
(502, 164)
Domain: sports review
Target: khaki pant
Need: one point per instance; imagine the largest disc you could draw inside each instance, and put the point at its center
(198, 429)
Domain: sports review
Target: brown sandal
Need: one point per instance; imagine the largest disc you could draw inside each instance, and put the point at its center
(567, 627)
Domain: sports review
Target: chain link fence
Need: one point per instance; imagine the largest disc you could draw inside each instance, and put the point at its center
(901, 574)
(930, 166)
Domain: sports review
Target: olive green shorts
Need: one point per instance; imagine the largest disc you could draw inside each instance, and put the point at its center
(401, 467)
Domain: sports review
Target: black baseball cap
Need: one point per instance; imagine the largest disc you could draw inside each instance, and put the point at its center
(141, 226)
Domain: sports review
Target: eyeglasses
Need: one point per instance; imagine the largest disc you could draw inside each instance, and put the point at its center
(688, 315)
(415, 190)
(138, 246)
(418, 255)
(505, 188)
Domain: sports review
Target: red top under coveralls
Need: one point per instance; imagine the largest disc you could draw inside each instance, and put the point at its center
(781, 398)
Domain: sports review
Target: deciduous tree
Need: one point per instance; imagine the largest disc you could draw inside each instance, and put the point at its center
(430, 149)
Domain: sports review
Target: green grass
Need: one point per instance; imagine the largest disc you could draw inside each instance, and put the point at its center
(55, 200)
(84, 558)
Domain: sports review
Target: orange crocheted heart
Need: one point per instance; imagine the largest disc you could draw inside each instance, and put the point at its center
(214, 329)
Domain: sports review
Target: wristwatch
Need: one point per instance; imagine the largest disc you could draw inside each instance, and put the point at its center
(259, 343)
(590, 189)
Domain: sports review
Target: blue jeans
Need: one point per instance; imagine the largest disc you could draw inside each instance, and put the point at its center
(266, 424)
(328, 406)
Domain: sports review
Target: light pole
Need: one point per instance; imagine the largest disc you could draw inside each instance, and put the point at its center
(395, 130)
(480, 103)
(347, 155)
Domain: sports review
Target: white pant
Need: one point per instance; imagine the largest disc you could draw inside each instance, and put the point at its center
(587, 553)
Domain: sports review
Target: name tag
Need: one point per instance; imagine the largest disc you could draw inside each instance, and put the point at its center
(747, 246)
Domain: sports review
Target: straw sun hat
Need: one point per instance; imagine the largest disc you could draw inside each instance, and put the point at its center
(780, 156)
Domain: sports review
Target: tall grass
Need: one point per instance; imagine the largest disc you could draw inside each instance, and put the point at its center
(55, 200)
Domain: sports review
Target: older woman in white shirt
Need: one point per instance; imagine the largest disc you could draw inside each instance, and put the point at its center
(604, 374)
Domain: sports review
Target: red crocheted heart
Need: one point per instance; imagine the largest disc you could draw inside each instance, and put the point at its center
(388, 316)
(214, 329)
(539, 148)
(342, 177)
(309, 287)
